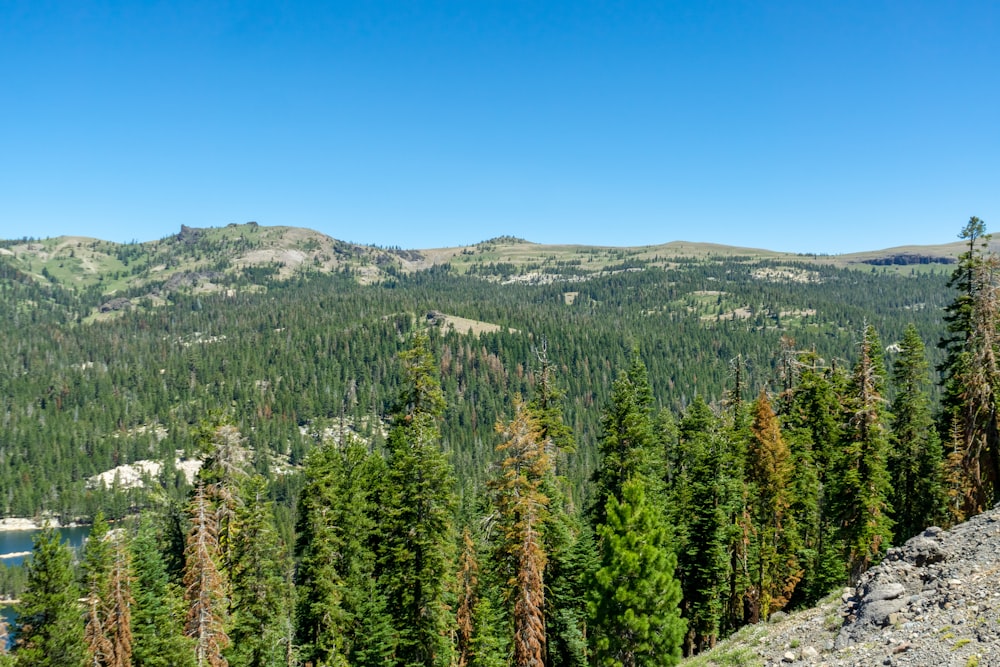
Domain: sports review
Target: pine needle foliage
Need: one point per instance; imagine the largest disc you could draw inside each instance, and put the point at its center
(971, 374)
(916, 461)
(522, 508)
(774, 571)
(49, 628)
(416, 546)
(861, 483)
(633, 598)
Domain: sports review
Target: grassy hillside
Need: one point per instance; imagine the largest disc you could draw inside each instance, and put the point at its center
(240, 257)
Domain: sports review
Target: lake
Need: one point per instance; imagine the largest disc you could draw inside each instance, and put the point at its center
(21, 541)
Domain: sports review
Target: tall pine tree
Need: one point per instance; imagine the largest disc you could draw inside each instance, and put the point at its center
(861, 480)
(416, 546)
(916, 462)
(971, 375)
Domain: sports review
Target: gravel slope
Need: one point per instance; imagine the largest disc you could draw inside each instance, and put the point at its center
(935, 601)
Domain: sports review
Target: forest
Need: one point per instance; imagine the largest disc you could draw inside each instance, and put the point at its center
(619, 478)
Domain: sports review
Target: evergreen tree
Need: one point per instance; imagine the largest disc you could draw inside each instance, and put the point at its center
(971, 374)
(416, 528)
(699, 502)
(633, 598)
(572, 558)
(861, 483)
(337, 609)
(916, 462)
(204, 585)
(157, 630)
(468, 586)
(119, 607)
(565, 608)
(522, 508)
(811, 417)
(261, 596)
(49, 624)
(547, 408)
(628, 445)
(774, 564)
(96, 578)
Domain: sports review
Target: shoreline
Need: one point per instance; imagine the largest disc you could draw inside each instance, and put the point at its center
(13, 524)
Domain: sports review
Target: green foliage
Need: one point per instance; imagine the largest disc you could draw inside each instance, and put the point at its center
(157, 616)
(628, 445)
(260, 599)
(860, 485)
(916, 460)
(337, 613)
(416, 541)
(633, 598)
(49, 630)
(257, 379)
(971, 377)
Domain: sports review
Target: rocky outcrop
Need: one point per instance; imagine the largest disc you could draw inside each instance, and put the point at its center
(935, 600)
(120, 303)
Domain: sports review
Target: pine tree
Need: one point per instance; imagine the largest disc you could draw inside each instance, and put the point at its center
(468, 585)
(546, 407)
(565, 608)
(337, 609)
(96, 577)
(774, 564)
(916, 462)
(861, 483)
(971, 373)
(261, 596)
(699, 513)
(157, 630)
(633, 598)
(523, 508)
(628, 444)
(811, 417)
(119, 607)
(49, 625)
(204, 585)
(416, 529)
(572, 558)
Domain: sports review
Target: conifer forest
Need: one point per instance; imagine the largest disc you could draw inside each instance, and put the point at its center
(625, 467)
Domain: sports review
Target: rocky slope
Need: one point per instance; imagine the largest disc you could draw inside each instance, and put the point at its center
(933, 601)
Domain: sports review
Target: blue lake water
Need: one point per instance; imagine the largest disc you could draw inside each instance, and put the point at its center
(20, 541)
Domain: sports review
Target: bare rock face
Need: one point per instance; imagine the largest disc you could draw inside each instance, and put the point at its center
(120, 303)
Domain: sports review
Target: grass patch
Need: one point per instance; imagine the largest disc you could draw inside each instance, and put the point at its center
(722, 657)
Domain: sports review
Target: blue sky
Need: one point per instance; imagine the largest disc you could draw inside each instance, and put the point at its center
(799, 126)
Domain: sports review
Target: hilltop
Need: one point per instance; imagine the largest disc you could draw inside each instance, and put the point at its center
(216, 259)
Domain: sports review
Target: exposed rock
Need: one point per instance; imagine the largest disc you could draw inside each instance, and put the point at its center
(121, 303)
(932, 601)
(189, 235)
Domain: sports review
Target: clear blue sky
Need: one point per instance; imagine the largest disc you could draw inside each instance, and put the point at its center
(802, 126)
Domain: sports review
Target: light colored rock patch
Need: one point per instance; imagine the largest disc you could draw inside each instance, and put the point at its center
(785, 274)
(133, 475)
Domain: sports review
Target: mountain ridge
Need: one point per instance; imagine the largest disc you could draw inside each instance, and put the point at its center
(81, 261)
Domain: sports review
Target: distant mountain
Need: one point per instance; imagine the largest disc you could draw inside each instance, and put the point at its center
(213, 259)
